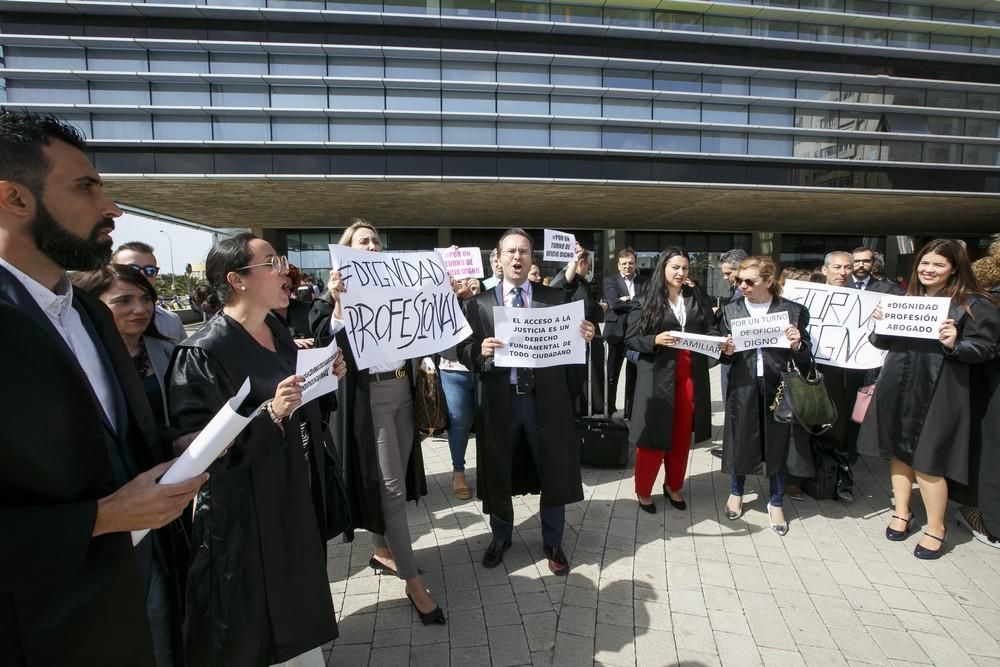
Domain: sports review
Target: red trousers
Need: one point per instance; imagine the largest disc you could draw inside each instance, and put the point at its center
(648, 461)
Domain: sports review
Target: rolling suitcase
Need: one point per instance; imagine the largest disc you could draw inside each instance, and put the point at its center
(603, 439)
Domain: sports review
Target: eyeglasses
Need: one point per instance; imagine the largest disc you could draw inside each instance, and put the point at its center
(747, 281)
(149, 270)
(512, 252)
(278, 264)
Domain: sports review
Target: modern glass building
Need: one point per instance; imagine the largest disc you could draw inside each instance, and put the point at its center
(788, 126)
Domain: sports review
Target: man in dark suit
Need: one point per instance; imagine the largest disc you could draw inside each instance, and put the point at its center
(515, 406)
(622, 293)
(78, 431)
(861, 278)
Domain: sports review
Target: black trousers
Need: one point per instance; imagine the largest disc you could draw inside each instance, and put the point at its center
(616, 355)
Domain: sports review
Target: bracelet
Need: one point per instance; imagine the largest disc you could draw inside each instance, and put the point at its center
(270, 413)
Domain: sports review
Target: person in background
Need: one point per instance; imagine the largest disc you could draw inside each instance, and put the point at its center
(920, 417)
(81, 453)
(200, 300)
(673, 395)
(622, 293)
(535, 274)
(878, 266)
(752, 435)
(131, 299)
(573, 277)
(729, 264)
(375, 434)
(492, 281)
(459, 392)
(140, 258)
(980, 511)
(257, 589)
(295, 316)
(863, 276)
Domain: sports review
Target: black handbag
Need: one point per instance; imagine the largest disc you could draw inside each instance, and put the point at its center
(804, 399)
(430, 411)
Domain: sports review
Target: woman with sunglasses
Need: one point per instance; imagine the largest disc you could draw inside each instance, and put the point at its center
(377, 440)
(672, 391)
(920, 417)
(751, 434)
(257, 590)
(140, 258)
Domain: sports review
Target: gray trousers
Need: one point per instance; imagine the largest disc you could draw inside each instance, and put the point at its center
(392, 416)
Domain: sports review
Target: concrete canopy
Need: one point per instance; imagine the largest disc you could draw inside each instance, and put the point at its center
(316, 202)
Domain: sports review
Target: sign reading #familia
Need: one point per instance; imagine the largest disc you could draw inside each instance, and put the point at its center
(768, 330)
(912, 316)
(539, 337)
(397, 305)
(559, 246)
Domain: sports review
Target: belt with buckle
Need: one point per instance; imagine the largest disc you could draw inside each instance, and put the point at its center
(521, 392)
(397, 374)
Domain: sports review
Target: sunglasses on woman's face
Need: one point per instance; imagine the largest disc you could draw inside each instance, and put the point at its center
(749, 282)
(149, 270)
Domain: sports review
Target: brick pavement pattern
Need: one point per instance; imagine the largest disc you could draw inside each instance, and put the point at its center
(675, 588)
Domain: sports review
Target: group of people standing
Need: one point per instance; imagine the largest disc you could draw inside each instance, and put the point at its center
(234, 568)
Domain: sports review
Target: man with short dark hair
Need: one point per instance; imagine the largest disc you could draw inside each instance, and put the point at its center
(515, 407)
(139, 256)
(862, 278)
(78, 431)
(622, 292)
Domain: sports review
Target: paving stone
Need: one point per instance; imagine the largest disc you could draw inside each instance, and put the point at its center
(508, 646)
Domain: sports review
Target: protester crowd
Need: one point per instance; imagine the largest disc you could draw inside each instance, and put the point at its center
(234, 570)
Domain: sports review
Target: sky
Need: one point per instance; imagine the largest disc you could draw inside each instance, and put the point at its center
(189, 245)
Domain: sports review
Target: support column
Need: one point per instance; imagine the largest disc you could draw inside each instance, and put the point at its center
(767, 243)
(444, 237)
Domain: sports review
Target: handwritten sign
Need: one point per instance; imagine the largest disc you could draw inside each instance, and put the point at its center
(397, 305)
(912, 316)
(707, 345)
(840, 320)
(539, 337)
(559, 246)
(316, 367)
(768, 330)
(462, 262)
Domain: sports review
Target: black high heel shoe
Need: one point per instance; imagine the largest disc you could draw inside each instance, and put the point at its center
(923, 553)
(899, 535)
(676, 504)
(434, 616)
(648, 509)
(380, 567)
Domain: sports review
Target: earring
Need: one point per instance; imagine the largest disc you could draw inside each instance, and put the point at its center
(243, 288)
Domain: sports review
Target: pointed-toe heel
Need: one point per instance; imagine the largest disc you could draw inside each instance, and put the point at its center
(780, 528)
(380, 568)
(899, 535)
(648, 509)
(734, 515)
(433, 617)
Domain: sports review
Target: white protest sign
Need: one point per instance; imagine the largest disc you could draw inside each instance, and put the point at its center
(768, 330)
(559, 246)
(224, 427)
(912, 316)
(709, 345)
(840, 319)
(397, 305)
(316, 368)
(539, 337)
(462, 262)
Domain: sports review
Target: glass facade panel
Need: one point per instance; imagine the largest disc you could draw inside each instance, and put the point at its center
(235, 95)
(370, 99)
(241, 128)
(677, 82)
(115, 92)
(770, 144)
(299, 97)
(947, 99)
(772, 87)
(413, 132)
(724, 113)
(908, 40)
(522, 104)
(942, 153)
(725, 85)
(567, 105)
(41, 92)
(474, 8)
(522, 11)
(576, 76)
(872, 7)
(298, 64)
(467, 101)
(776, 29)
(412, 100)
(628, 78)
(677, 141)
(821, 33)
(636, 139)
(982, 127)
(238, 63)
(124, 127)
(590, 15)
(576, 136)
(181, 94)
(411, 6)
(684, 112)
(723, 142)
(357, 130)
(522, 73)
(984, 101)
(358, 68)
(959, 43)
(475, 134)
(905, 96)
(907, 11)
(124, 60)
(946, 125)
(300, 129)
(859, 121)
(622, 108)
(396, 68)
(26, 57)
(865, 36)
(453, 70)
(816, 147)
(182, 128)
(902, 151)
(522, 134)
(849, 149)
(178, 62)
(679, 21)
(861, 94)
(817, 90)
(727, 25)
(976, 154)
(774, 116)
(632, 18)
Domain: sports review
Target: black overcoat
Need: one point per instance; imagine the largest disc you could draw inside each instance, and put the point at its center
(257, 591)
(746, 446)
(500, 476)
(921, 413)
(653, 405)
(353, 434)
(67, 598)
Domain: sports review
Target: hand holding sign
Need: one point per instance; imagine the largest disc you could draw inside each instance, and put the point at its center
(711, 346)
(539, 337)
(320, 370)
(913, 316)
(770, 330)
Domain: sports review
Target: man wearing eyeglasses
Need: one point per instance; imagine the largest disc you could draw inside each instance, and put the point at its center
(139, 257)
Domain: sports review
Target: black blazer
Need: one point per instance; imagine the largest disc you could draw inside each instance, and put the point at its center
(66, 597)
(615, 320)
(881, 286)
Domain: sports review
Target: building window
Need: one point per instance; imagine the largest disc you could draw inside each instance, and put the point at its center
(465, 101)
(238, 63)
(357, 68)
(628, 78)
(299, 97)
(417, 68)
(565, 105)
(241, 128)
(124, 60)
(512, 103)
(357, 130)
(723, 142)
(371, 99)
(623, 108)
(635, 139)
(576, 136)
(576, 76)
(452, 70)
(413, 132)
(124, 127)
(772, 116)
(522, 73)
(178, 62)
(522, 134)
(412, 100)
(469, 133)
(683, 112)
(730, 114)
(725, 85)
(182, 128)
(300, 129)
(677, 82)
(677, 141)
(770, 144)
(235, 95)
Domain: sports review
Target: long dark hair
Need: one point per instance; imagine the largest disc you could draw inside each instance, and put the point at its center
(99, 281)
(960, 285)
(654, 305)
(225, 257)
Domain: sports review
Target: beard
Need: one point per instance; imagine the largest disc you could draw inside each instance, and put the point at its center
(65, 248)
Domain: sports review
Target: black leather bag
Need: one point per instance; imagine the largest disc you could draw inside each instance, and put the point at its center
(804, 399)
(430, 410)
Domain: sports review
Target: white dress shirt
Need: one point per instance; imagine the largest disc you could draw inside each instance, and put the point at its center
(629, 285)
(756, 309)
(58, 307)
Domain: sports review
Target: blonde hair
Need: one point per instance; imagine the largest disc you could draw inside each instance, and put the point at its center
(356, 224)
(987, 271)
(765, 267)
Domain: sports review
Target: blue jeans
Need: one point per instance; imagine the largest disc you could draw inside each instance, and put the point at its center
(457, 387)
(524, 421)
(776, 484)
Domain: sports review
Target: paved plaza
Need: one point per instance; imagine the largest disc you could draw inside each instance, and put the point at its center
(674, 588)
